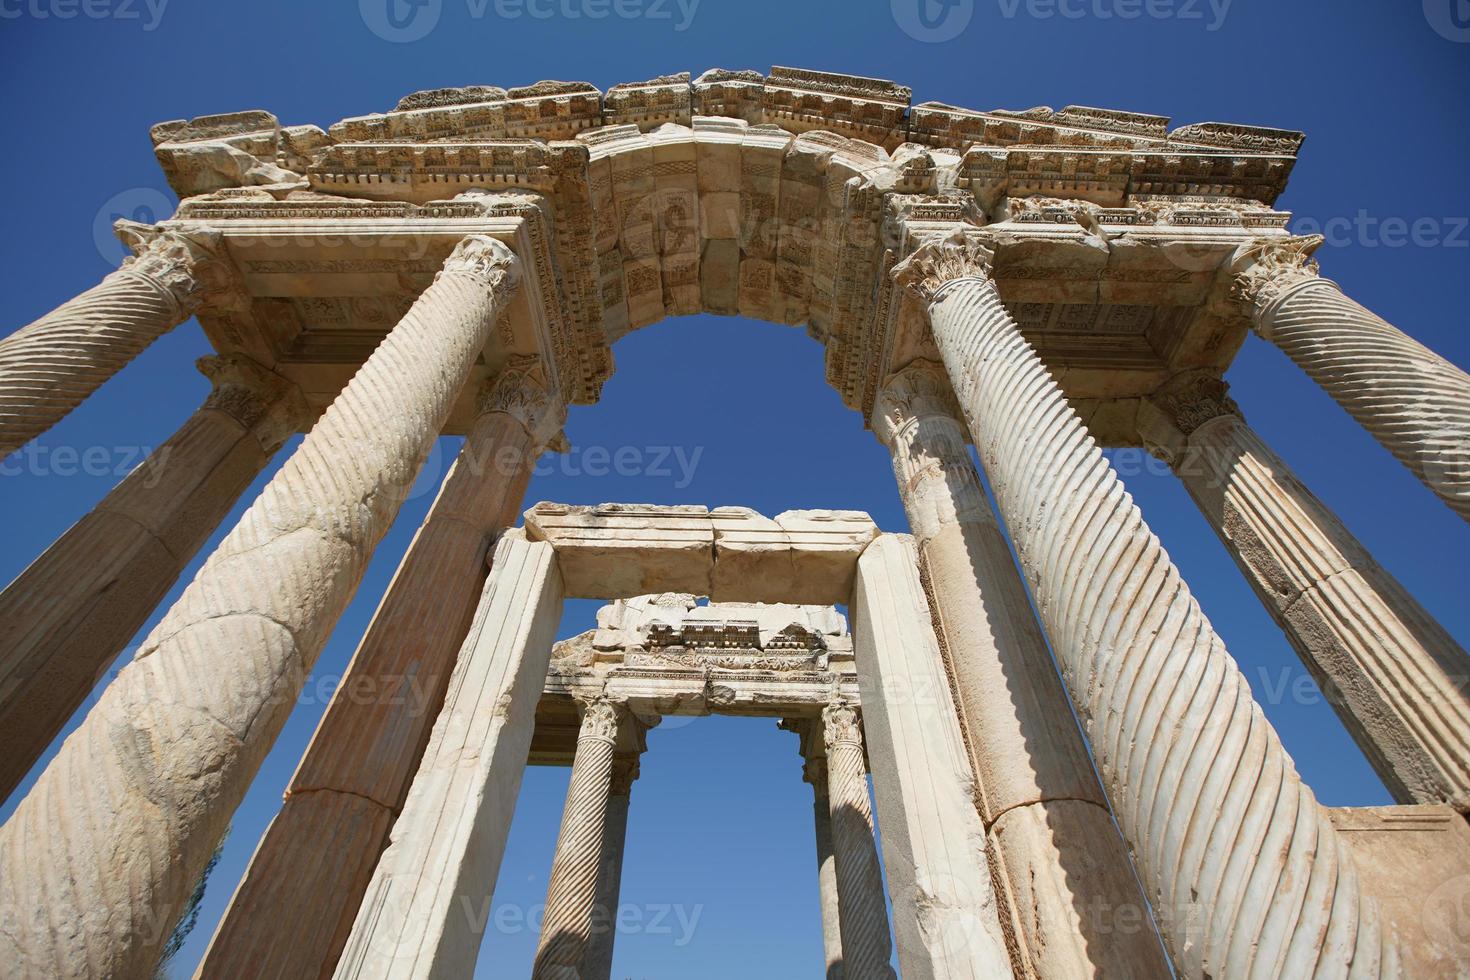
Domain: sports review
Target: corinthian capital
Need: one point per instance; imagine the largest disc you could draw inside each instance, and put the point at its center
(840, 724)
(271, 407)
(185, 266)
(942, 261)
(1190, 400)
(1266, 269)
(484, 258)
(921, 389)
(601, 717)
(523, 391)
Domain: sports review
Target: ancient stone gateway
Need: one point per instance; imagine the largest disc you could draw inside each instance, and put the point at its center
(1035, 284)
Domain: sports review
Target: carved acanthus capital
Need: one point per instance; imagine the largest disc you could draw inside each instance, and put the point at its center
(625, 771)
(601, 718)
(935, 264)
(487, 259)
(920, 390)
(1192, 399)
(1265, 270)
(523, 390)
(840, 724)
(271, 407)
(186, 266)
(814, 771)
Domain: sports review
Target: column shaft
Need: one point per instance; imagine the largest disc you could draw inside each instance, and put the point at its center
(1061, 866)
(174, 741)
(945, 914)
(70, 613)
(372, 736)
(52, 365)
(570, 896)
(428, 903)
(1414, 402)
(598, 963)
(1241, 864)
(815, 772)
(866, 946)
(1393, 674)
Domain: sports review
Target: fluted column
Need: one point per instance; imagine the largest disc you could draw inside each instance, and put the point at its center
(171, 746)
(814, 773)
(1414, 402)
(70, 613)
(353, 778)
(598, 962)
(570, 896)
(1395, 677)
(52, 365)
(1240, 863)
(1061, 866)
(866, 945)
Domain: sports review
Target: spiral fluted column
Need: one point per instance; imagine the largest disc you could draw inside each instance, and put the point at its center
(1414, 402)
(572, 893)
(866, 944)
(814, 773)
(1058, 857)
(1243, 868)
(1393, 674)
(172, 745)
(52, 365)
(354, 776)
(597, 965)
(70, 613)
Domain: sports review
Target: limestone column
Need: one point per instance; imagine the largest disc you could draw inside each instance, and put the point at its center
(429, 900)
(573, 889)
(1393, 674)
(1236, 856)
(70, 613)
(352, 780)
(170, 748)
(1414, 402)
(52, 365)
(866, 947)
(598, 963)
(945, 914)
(814, 772)
(1063, 871)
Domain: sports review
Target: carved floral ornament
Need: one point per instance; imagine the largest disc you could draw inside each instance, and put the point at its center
(185, 266)
(840, 723)
(262, 401)
(1266, 270)
(601, 716)
(484, 258)
(936, 264)
(920, 390)
(523, 390)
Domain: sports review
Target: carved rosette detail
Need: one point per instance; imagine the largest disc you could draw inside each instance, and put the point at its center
(935, 264)
(523, 391)
(1266, 270)
(273, 408)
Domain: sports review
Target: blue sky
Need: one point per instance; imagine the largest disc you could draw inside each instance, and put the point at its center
(720, 825)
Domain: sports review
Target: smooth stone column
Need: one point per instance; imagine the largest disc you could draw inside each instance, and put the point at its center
(570, 896)
(106, 849)
(1414, 402)
(1241, 864)
(65, 618)
(866, 946)
(52, 365)
(1393, 674)
(1062, 868)
(352, 781)
(945, 914)
(598, 962)
(429, 901)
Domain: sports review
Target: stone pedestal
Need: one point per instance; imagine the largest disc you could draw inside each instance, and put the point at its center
(1240, 863)
(426, 908)
(597, 965)
(175, 740)
(572, 893)
(1024, 746)
(372, 737)
(1414, 402)
(945, 915)
(1392, 673)
(51, 366)
(66, 618)
(866, 947)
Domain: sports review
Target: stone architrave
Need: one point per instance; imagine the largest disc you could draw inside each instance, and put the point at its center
(572, 893)
(52, 365)
(866, 946)
(65, 619)
(447, 844)
(1056, 851)
(352, 781)
(1239, 861)
(1395, 676)
(1414, 402)
(945, 915)
(597, 964)
(171, 746)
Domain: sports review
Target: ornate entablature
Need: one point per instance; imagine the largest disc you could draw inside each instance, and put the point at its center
(785, 197)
